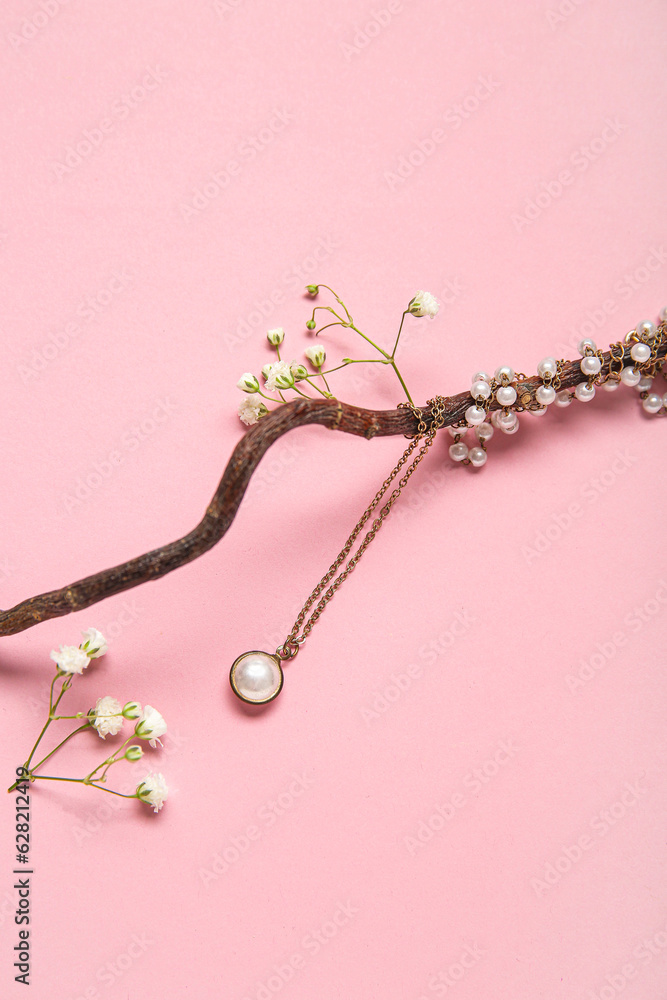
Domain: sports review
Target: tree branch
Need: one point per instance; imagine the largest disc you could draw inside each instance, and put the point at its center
(244, 460)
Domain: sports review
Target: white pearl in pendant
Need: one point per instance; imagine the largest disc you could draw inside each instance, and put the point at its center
(664, 401)
(506, 395)
(456, 431)
(590, 365)
(563, 398)
(652, 403)
(640, 352)
(256, 677)
(583, 393)
(610, 385)
(539, 412)
(645, 329)
(477, 457)
(481, 377)
(506, 419)
(545, 394)
(510, 428)
(547, 366)
(475, 415)
(587, 342)
(504, 372)
(644, 384)
(480, 387)
(458, 451)
(663, 315)
(630, 376)
(484, 432)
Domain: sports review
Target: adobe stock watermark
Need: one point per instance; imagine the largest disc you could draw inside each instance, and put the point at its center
(33, 24)
(267, 816)
(271, 470)
(92, 139)
(594, 488)
(223, 7)
(377, 22)
(401, 681)
(590, 666)
(311, 944)
(472, 784)
(653, 945)
(247, 151)
(111, 972)
(600, 824)
(90, 308)
(294, 278)
(101, 812)
(563, 12)
(623, 290)
(453, 118)
(579, 161)
(102, 470)
(444, 980)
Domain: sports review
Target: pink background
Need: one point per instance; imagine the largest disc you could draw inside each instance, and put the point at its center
(156, 298)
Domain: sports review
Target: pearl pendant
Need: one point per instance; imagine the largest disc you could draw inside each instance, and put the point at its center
(256, 677)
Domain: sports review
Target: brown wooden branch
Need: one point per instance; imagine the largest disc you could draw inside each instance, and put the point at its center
(245, 458)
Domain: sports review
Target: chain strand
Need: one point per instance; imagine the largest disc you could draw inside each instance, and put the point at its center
(292, 643)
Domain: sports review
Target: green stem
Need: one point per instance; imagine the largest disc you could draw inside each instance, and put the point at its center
(52, 707)
(400, 379)
(333, 313)
(317, 388)
(352, 361)
(398, 335)
(371, 342)
(73, 733)
(326, 327)
(338, 299)
(82, 781)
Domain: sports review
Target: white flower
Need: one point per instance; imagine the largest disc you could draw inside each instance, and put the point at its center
(108, 719)
(70, 659)
(299, 371)
(423, 304)
(151, 726)
(316, 355)
(248, 383)
(153, 790)
(279, 376)
(94, 644)
(251, 409)
(276, 336)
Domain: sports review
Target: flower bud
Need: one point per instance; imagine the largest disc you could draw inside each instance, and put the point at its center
(276, 336)
(284, 379)
(347, 361)
(299, 371)
(316, 355)
(248, 383)
(312, 289)
(132, 710)
(266, 371)
(134, 753)
(423, 304)
(311, 324)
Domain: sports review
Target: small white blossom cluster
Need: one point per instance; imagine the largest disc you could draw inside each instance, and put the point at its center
(282, 376)
(107, 718)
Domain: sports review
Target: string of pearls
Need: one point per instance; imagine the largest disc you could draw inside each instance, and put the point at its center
(481, 422)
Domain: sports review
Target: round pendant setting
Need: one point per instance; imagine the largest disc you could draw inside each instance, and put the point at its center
(256, 677)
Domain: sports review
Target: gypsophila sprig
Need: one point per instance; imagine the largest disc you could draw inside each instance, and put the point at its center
(106, 719)
(281, 377)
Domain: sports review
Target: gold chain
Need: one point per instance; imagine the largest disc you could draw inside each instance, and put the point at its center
(292, 643)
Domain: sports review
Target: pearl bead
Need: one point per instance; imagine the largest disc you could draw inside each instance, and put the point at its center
(504, 372)
(454, 431)
(645, 329)
(481, 377)
(652, 403)
(506, 395)
(547, 366)
(590, 365)
(563, 398)
(610, 385)
(510, 429)
(480, 388)
(583, 393)
(545, 394)
(477, 457)
(630, 376)
(475, 415)
(256, 677)
(644, 384)
(640, 352)
(664, 401)
(539, 412)
(458, 451)
(587, 342)
(663, 315)
(507, 420)
(484, 432)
